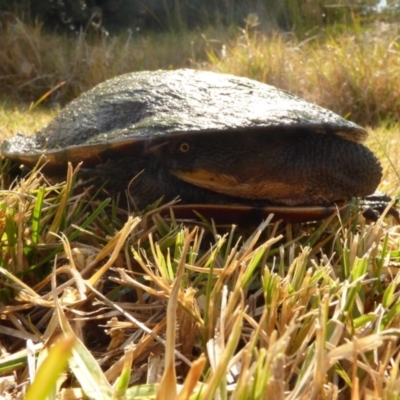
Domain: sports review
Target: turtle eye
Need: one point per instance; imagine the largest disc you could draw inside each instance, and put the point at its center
(184, 147)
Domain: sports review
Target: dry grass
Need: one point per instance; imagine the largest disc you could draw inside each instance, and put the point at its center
(289, 312)
(353, 73)
(385, 142)
(33, 62)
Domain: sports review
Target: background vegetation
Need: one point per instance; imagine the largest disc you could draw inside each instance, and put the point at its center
(176, 15)
(284, 311)
(349, 63)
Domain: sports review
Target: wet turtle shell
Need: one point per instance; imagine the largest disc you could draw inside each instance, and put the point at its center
(209, 138)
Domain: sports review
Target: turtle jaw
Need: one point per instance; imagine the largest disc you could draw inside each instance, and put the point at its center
(231, 186)
(216, 182)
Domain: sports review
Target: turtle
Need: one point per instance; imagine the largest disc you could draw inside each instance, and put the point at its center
(221, 143)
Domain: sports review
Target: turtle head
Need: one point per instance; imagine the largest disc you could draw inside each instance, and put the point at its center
(282, 166)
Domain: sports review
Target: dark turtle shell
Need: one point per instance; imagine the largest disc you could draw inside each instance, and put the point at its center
(240, 133)
(143, 105)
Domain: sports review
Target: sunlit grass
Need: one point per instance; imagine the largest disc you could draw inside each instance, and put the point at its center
(385, 142)
(17, 118)
(150, 305)
(353, 72)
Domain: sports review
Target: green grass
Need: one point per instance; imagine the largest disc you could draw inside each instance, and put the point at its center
(16, 118)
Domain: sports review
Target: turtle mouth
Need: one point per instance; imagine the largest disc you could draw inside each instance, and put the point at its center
(217, 182)
(229, 185)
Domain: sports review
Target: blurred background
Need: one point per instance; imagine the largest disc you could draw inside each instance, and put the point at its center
(341, 54)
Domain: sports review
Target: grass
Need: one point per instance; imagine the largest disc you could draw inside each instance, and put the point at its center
(304, 311)
(384, 141)
(15, 118)
(353, 72)
(144, 306)
(29, 70)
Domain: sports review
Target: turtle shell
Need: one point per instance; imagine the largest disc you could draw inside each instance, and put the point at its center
(143, 105)
(250, 143)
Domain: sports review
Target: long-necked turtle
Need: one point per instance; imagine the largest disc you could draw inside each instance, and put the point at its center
(210, 138)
